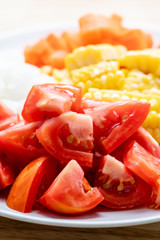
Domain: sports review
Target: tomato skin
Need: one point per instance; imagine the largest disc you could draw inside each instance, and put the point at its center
(5, 111)
(75, 93)
(142, 163)
(70, 193)
(7, 173)
(9, 122)
(49, 136)
(114, 123)
(144, 138)
(119, 187)
(20, 143)
(50, 100)
(23, 192)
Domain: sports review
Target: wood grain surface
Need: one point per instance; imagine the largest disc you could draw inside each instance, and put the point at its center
(16, 14)
(10, 229)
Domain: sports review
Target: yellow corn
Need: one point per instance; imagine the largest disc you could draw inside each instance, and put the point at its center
(46, 69)
(147, 61)
(93, 54)
(138, 81)
(104, 75)
(60, 76)
(152, 122)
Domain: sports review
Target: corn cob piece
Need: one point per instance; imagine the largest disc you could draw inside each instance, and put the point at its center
(147, 61)
(152, 122)
(60, 76)
(115, 95)
(104, 75)
(93, 54)
(138, 81)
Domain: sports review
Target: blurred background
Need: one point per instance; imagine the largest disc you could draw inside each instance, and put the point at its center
(15, 14)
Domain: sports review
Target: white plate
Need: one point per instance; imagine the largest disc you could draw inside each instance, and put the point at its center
(11, 51)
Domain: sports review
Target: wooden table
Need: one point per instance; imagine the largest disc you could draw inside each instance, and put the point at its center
(25, 13)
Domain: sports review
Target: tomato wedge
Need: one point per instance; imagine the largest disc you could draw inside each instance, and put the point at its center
(5, 111)
(144, 138)
(115, 122)
(9, 122)
(67, 137)
(50, 100)
(70, 193)
(119, 187)
(20, 143)
(23, 192)
(7, 173)
(142, 163)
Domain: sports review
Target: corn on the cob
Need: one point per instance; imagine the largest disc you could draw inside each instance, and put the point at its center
(104, 75)
(148, 60)
(152, 122)
(60, 76)
(93, 54)
(138, 81)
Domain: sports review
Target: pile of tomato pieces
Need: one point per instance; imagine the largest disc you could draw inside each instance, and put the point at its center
(71, 154)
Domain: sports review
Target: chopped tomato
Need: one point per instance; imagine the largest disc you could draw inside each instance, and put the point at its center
(142, 163)
(49, 100)
(115, 122)
(9, 122)
(75, 93)
(120, 189)
(67, 137)
(23, 192)
(20, 143)
(5, 111)
(7, 173)
(144, 138)
(70, 193)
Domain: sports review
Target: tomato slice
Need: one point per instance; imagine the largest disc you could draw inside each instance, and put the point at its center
(75, 93)
(9, 122)
(7, 173)
(20, 143)
(116, 122)
(144, 138)
(50, 100)
(119, 187)
(5, 111)
(142, 163)
(67, 137)
(70, 193)
(23, 192)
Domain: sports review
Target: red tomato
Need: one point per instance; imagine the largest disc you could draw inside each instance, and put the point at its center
(20, 143)
(75, 93)
(5, 111)
(144, 138)
(68, 137)
(23, 192)
(91, 104)
(120, 189)
(7, 173)
(115, 122)
(70, 193)
(9, 122)
(142, 163)
(49, 100)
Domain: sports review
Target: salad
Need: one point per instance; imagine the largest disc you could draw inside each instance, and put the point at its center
(76, 144)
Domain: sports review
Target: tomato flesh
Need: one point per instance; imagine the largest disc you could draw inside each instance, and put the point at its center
(120, 189)
(70, 193)
(23, 192)
(67, 137)
(50, 100)
(20, 143)
(116, 122)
